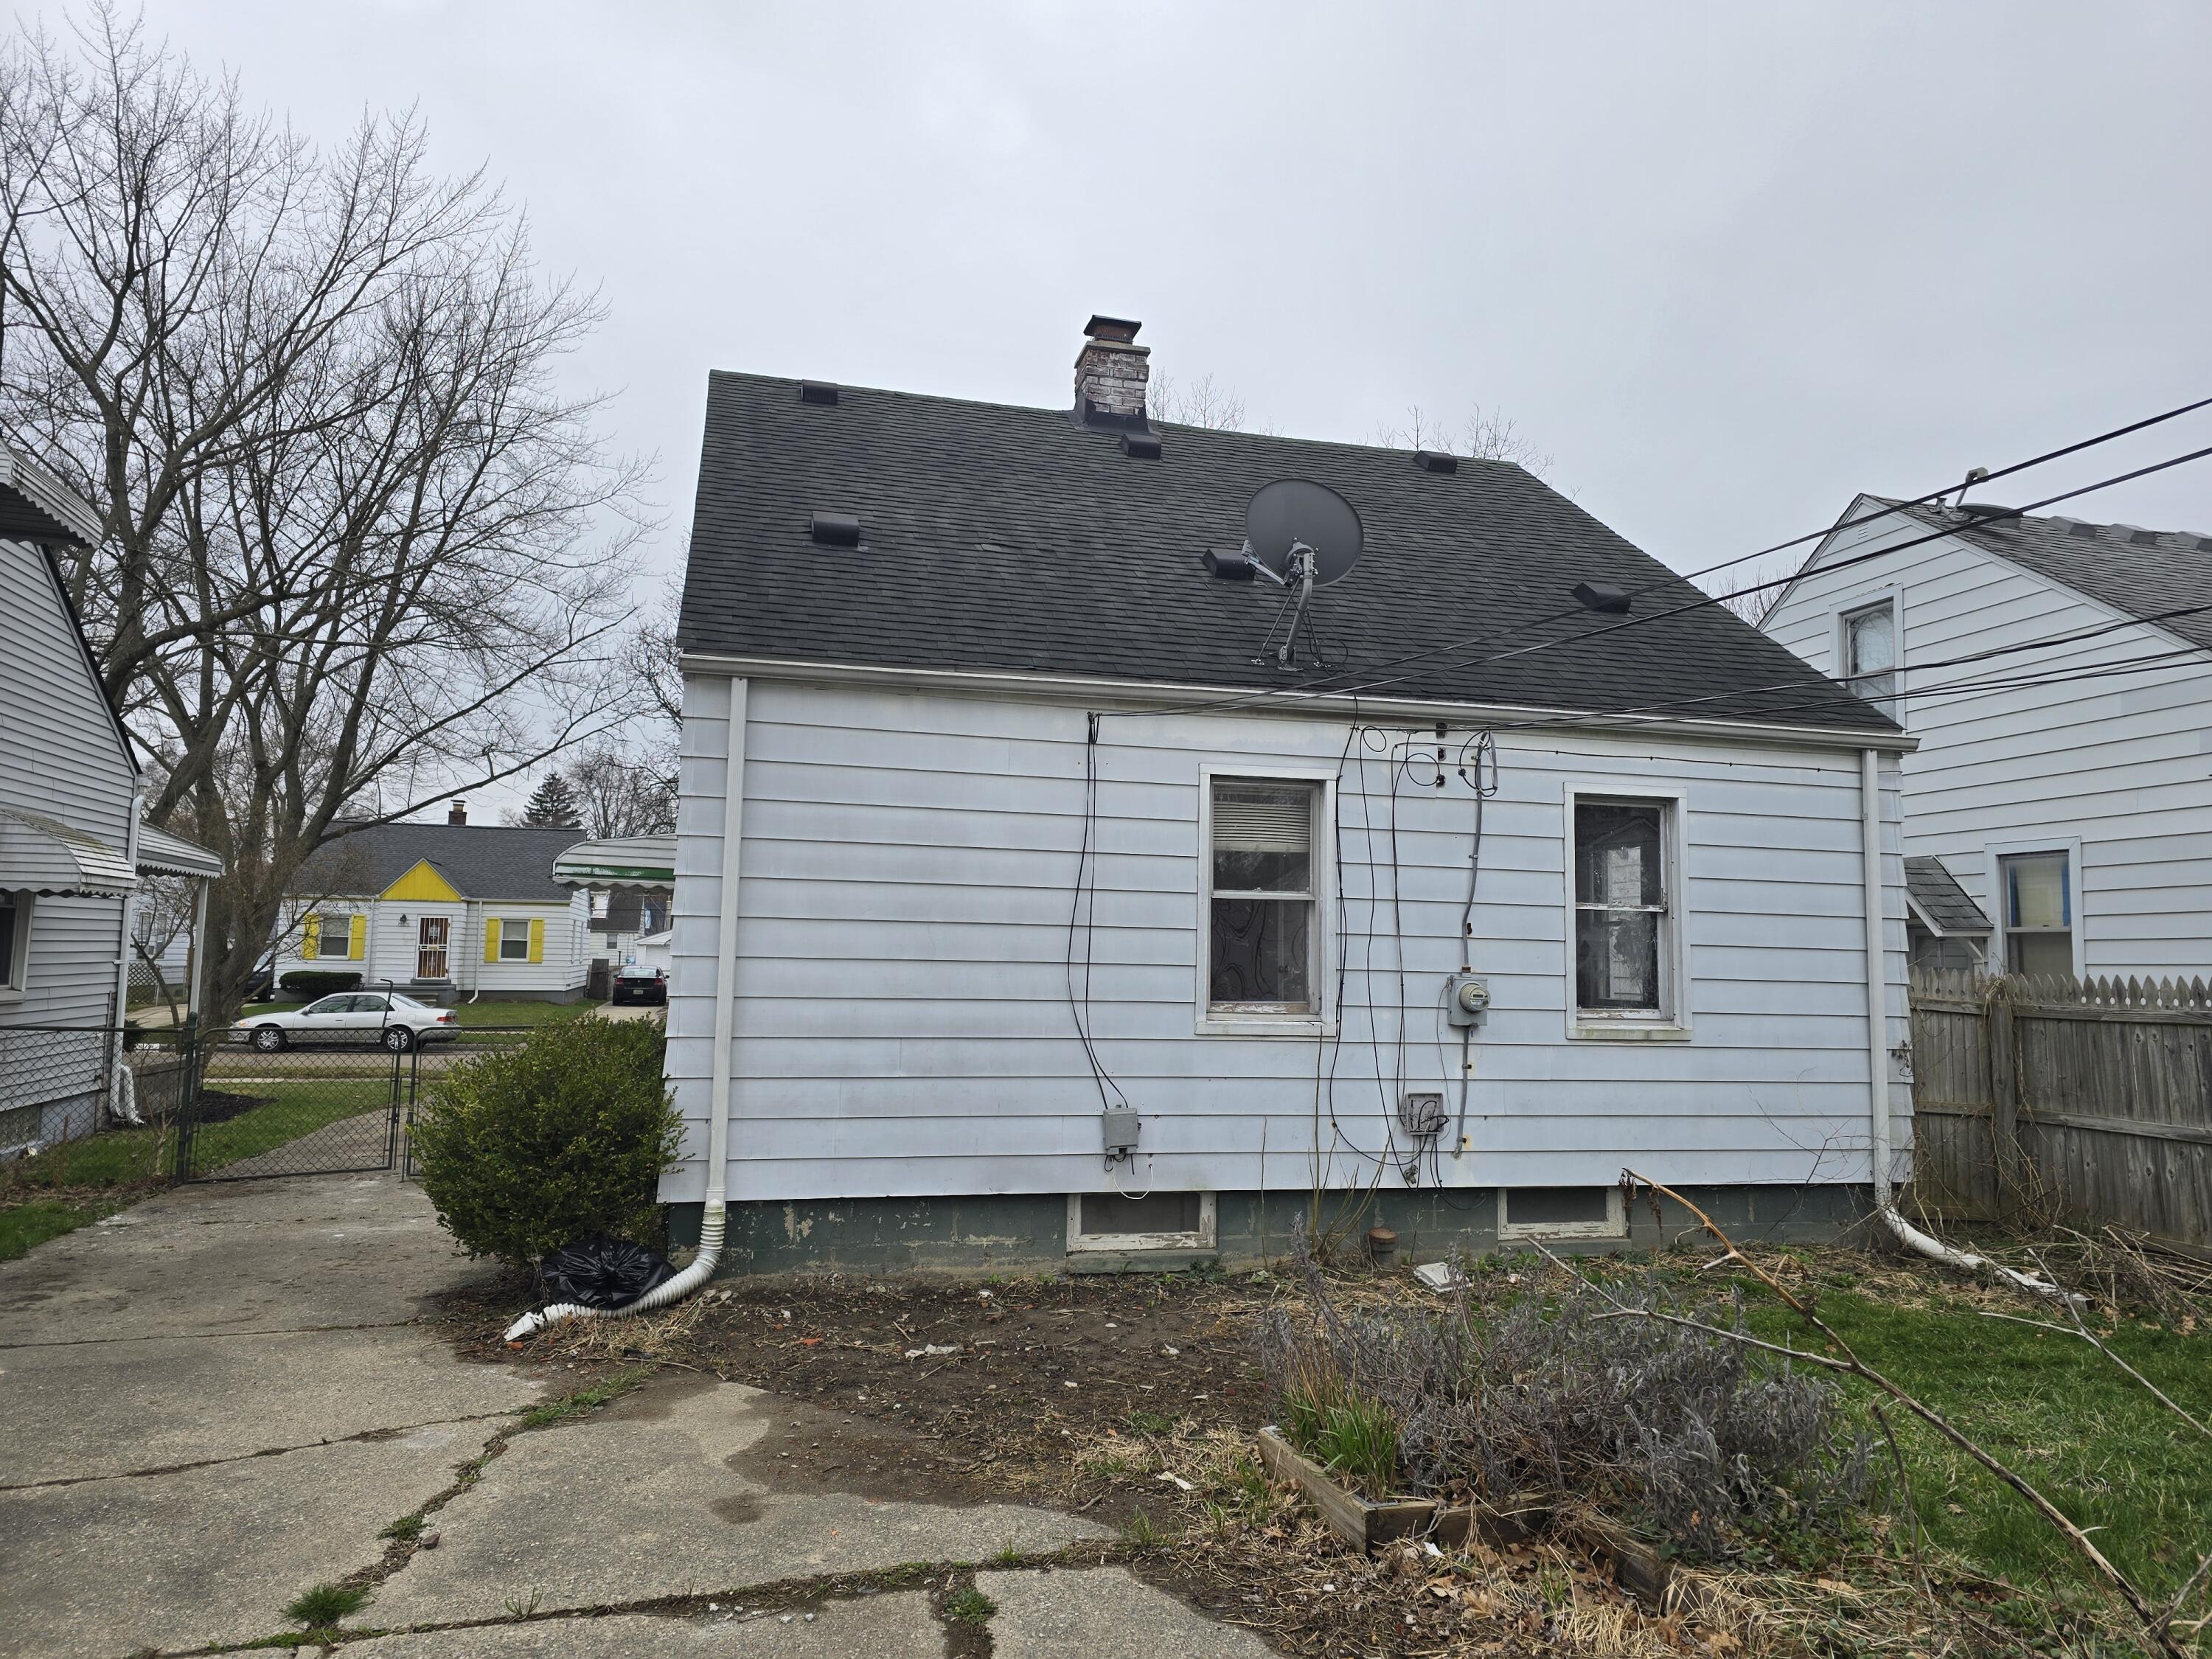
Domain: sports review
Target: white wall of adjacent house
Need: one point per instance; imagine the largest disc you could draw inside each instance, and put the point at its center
(902, 1021)
(393, 945)
(67, 765)
(2112, 773)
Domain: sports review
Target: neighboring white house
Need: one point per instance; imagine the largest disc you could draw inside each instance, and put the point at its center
(71, 846)
(442, 911)
(2059, 676)
(1063, 924)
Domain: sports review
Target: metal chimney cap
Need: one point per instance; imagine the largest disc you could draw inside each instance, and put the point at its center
(1118, 330)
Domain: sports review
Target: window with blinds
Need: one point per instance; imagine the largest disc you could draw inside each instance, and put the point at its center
(1261, 902)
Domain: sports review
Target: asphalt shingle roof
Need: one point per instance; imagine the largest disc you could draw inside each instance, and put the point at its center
(1936, 891)
(1008, 539)
(2139, 572)
(481, 860)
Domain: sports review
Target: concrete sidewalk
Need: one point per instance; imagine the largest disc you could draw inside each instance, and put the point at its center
(221, 1398)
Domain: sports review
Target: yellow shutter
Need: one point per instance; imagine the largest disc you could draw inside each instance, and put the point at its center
(537, 938)
(491, 939)
(358, 946)
(311, 938)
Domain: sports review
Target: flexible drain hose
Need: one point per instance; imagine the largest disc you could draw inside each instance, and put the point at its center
(661, 1296)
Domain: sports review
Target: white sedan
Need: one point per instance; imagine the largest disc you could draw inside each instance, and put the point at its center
(384, 1018)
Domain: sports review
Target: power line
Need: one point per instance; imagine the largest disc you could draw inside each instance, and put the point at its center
(1319, 685)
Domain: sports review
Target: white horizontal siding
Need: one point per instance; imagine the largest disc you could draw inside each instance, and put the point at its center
(2116, 763)
(61, 756)
(902, 1019)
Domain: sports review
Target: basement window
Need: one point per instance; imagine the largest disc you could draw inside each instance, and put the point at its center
(1260, 937)
(1152, 1221)
(1561, 1212)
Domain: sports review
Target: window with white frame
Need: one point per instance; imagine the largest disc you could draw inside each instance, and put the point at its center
(2039, 913)
(514, 938)
(1870, 656)
(15, 941)
(1143, 1221)
(1262, 914)
(1626, 926)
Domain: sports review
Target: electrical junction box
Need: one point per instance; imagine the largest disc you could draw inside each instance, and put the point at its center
(1468, 1001)
(1422, 1113)
(1121, 1123)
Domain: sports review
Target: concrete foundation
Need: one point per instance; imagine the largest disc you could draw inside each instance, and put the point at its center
(1029, 1232)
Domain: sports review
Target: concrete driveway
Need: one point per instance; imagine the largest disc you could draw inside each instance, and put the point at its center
(223, 1397)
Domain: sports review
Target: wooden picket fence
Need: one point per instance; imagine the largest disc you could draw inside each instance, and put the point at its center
(2081, 1101)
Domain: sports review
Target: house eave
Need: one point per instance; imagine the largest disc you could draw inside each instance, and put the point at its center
(1139, 696)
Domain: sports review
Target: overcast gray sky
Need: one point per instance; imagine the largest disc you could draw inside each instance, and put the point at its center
(1728, 263)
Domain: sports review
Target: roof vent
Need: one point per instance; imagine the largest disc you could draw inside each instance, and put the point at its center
(837, 529)
(1602, 597)
(1145, 445)
(2087, 531)
(819, 392)
(2144, 538)
(1435, 460)
(1988, 510)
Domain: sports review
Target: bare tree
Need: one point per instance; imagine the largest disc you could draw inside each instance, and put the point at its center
(1202, 402)
(1485, 434)
(360, 548)
(622, 795)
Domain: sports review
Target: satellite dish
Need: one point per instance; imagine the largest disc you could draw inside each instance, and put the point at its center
(1294, 511)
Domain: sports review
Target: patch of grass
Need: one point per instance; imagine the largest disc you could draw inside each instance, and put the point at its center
(1151, 1423)
(584, 1401)
(1010, 1556)
(1141, 1532)
(969, 1606)
(407, 1529)
(321, 1607)
(25, 1227)
(522, 1012)
(2083, 1433)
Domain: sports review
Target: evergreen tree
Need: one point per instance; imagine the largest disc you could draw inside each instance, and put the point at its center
(553, 803)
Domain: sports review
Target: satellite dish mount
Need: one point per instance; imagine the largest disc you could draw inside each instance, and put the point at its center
(1299, 536)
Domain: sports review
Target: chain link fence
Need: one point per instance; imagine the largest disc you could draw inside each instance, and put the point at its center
(189, 1105)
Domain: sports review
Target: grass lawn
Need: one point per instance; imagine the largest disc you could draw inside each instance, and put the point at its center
(69, 1186)
(2085, 1434)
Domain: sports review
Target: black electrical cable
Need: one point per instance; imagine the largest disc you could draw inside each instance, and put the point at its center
(1079, 1008)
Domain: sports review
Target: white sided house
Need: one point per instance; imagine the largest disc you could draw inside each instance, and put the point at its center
(73, 851)
(2057, 676)
(443, 912)
(1030, 908)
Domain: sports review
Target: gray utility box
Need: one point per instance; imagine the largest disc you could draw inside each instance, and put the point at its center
(1121, 1123)
(1468, 1000)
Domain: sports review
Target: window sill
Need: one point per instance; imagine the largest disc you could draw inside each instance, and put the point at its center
(11, 994)
(1217, 1022)
(1581, 1028)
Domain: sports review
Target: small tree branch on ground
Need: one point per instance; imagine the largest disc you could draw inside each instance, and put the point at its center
(1850, 1362)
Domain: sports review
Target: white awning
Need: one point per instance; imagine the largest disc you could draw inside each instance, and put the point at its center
(163, 854)
(619, 862)
(40, 854)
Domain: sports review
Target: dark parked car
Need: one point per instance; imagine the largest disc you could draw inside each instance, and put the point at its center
(638, 983)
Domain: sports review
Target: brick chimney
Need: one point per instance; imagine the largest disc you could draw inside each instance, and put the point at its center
(458, 812)
(1111, 372)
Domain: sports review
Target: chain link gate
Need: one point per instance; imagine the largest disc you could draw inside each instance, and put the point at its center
(252, 1112)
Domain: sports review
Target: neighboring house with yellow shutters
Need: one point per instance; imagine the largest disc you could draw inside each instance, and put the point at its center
(444, 912)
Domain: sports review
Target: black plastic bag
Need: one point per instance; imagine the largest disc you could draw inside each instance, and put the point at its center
(599, 1272)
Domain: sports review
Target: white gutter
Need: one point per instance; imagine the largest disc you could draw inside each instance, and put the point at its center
(1259, 700)
(713, 1215)
(1877, 988)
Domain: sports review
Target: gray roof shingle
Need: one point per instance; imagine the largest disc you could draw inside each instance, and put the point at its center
(996, 537)
(1937, 892)
(2139, 572)
(481, 860)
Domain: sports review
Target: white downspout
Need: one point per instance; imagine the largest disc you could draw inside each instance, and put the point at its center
(122, 1093)
(714, 1213)
(1877, 988)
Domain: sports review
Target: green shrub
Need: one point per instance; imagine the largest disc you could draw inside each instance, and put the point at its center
(309, 983)
(523, 1150)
